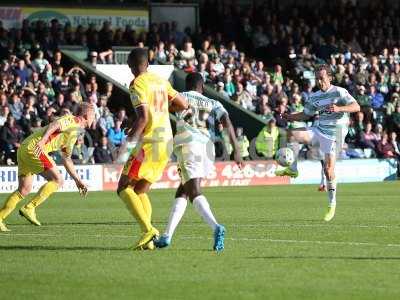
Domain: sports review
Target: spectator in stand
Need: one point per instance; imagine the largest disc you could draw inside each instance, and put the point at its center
(243, 143)
(11, 136)
(80, 153)
(22, 72)
(103, 153)
(385, 148)
(229, 86)
(4, 112)
(40, 63)
(377, 99)
(395, 119)
(116, 135)
(243, 98)
(221, 90)
(267, 141)
(368, 139)
(365, 103)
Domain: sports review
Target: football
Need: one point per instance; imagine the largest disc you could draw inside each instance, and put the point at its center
(285, 157)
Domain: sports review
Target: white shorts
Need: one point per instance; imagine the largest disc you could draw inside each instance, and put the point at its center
(327, 144)
(195, 160)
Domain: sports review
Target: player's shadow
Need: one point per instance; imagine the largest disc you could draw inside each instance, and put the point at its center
(328, 257)
(60, 248)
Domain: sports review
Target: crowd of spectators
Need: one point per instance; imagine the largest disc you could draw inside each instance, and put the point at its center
(260, 57)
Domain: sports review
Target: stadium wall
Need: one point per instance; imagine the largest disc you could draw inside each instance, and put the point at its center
(105, 177)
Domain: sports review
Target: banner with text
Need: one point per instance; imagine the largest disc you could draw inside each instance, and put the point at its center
(223, 174)
(352, 170)
(88, 173)
(138, 19)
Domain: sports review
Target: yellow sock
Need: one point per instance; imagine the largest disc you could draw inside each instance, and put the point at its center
(146, 205)
(44, 192)
(10, 204)
(134, 204)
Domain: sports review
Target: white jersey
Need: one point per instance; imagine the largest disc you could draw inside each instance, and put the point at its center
(318, 103)
(193, 124)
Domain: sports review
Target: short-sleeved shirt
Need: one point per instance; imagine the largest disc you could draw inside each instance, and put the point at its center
(62, 140)
(319, 103)
(194, 123)
(155, 92)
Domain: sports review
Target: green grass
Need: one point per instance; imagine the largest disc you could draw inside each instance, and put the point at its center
(277, 247)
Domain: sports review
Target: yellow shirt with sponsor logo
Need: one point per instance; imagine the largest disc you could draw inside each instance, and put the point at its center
(155, 92)
(63, 139)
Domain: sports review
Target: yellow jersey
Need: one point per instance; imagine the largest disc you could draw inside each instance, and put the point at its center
(155, 92)
(63, 139)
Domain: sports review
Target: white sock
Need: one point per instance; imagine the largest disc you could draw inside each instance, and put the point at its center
(332, 192)
(322, 173)
(175, 216)
(203, 208)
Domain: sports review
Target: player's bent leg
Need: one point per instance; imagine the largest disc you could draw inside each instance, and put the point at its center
(330, 160)
(54, 182)
(24, 188)
(177, 211)
(201, 205)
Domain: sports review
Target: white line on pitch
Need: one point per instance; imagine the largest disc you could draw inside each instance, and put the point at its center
(208, 238)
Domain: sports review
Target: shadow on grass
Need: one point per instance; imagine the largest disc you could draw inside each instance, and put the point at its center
(328, 257)
(61, 248)
(88, 248)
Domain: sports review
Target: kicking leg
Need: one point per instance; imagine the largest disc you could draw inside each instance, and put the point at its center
(322, 186)
(55, 181)
(177, 211)
(24, 188)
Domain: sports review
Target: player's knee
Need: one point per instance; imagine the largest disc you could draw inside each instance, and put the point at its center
(24, 190)
(59, 180)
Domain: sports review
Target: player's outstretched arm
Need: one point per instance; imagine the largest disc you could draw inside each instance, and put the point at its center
(349, 108)
(51, 128)
(226, 122)
(297, 116)
(179, 103)
(69, 166)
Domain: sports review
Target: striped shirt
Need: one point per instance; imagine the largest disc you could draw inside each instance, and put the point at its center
(194, 123)
(319, 102)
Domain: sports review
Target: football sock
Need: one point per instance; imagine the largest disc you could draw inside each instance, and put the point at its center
(135, 206)
(146, 205)
(175, 216)
(44, 192)
(332, 192)
(322, 173)
(203, 208)
(10, 204)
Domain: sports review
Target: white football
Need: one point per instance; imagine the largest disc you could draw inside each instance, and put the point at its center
(285, 157)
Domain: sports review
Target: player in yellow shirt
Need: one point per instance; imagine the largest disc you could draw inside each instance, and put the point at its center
(151, 140)
(33, 158)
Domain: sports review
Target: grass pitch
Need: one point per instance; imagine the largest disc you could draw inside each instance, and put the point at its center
(277, 247)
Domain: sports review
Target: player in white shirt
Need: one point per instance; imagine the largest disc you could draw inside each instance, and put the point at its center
(333, 104)
(195, 154)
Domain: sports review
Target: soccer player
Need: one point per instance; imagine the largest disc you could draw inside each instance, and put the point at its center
(151, 140)
(194, 150)
(33, 158)
(333, 105)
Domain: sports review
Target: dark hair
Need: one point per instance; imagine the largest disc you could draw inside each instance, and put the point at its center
(193, 81)
(137, 57)
(324, 67)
